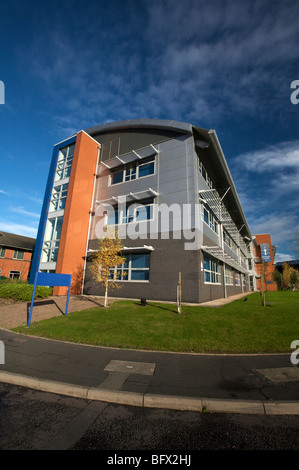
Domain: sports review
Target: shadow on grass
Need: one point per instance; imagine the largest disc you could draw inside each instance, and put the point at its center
(171, 308)
(38, 303)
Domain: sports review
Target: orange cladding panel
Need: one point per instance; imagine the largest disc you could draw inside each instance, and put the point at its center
(74, 234)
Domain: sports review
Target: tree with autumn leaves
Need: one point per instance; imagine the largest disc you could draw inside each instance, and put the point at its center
(107, 257)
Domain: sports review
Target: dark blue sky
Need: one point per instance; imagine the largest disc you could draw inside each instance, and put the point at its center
(226, 65)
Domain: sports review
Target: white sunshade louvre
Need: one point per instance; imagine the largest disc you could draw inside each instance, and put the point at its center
(211, 197)
(137, 248)
(130, 197)
(130, 157)
(218, 253)
(128, 248)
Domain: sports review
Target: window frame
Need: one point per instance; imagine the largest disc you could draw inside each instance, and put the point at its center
(58, 196)
(212, 222)
(2, 250)
(16, 254)
(213, 274)
(51, 245)
(229, 276)
(64, 163)
(205, 175)
(128, 167)
(14, 271)
(126, 269)
(120, 217)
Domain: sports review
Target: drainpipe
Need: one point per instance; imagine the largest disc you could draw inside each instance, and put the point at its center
(222, 246)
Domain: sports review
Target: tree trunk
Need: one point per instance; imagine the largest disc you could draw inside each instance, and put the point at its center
(106, 295)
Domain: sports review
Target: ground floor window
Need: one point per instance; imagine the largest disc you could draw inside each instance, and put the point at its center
(229, 278)
(135, 268)
(237, 279)
(212, 270)
(15, 274)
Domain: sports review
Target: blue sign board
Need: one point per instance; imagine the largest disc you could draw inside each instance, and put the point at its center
(265, 252)
(51, 279)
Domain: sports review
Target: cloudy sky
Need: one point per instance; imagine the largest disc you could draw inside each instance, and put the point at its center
(227, 65)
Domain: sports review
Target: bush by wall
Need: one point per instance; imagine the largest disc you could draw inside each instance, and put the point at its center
(22, 291)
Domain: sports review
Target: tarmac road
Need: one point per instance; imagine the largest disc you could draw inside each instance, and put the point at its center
(34, 420)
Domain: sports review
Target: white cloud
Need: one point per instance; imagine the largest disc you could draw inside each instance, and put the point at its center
(3, 192)
(180, 60)
(18, 229)
(283, 155)
(281, 227)
(21, 210)
(282, 257)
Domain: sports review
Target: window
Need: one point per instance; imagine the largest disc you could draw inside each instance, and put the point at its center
(133, 213)
(64, 164)
(2, 252)
(146, 169)
(227, 239)
(136, 214)
(243, 259)
(117, 177)
(132, 171)
(212, 271)
(58, 198)
(14, 274)
(18, 254)
(237, 279)
(113, 218)
(205, 175)
(210, 219)
(229, 277)
(52, 238)
(135, 268)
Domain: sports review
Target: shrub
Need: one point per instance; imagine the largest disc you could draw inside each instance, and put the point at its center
(23, 291)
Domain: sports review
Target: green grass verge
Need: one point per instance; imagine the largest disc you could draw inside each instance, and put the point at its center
(238, 327)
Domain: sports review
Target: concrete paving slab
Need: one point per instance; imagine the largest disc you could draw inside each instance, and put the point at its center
(280, 374)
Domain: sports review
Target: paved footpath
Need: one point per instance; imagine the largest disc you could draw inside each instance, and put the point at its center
(253, 384)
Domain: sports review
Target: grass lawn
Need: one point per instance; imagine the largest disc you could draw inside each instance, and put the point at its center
(238, 327)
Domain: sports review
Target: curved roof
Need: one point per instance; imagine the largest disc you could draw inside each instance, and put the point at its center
(141, 123)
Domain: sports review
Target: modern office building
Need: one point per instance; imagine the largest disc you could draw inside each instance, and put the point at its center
(167, 189)
(264, 256)
(15, 255)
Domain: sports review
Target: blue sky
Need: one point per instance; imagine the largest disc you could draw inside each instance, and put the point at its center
(226, 65)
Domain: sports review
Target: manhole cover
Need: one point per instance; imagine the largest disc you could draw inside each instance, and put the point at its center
(143, 368)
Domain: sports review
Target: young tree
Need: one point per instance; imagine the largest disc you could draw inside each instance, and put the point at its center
(286, 272)
(105, 259)
(277, 277)
(264, 280)
(295, 244)
(294, 278)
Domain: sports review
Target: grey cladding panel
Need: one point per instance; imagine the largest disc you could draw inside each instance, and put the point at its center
(120, 142)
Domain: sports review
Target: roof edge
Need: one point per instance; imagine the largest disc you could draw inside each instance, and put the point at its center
(141, 123)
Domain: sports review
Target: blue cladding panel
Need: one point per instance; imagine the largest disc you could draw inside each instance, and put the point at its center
(45, 209)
